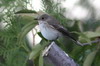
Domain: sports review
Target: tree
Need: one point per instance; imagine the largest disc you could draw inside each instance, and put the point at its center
(14, 47)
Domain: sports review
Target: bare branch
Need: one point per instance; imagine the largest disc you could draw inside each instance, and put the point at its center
(95, 41)
(58, 57)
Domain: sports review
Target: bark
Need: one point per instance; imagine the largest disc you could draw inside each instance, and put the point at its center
(58, 57)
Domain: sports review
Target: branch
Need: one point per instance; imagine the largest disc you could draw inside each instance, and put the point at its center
(95, 41)
(58, 57)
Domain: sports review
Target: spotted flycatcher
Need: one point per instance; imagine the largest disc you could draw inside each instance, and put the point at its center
(51, 29)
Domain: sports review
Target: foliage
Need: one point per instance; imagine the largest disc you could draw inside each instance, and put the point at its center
(12, 52)
(15, 50)
(86, 31)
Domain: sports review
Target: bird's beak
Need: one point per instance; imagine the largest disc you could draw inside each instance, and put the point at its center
(35, 18)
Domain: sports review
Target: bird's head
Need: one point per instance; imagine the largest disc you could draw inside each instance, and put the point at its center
(43, 17)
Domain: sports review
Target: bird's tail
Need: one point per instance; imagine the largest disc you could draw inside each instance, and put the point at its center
(76, 41)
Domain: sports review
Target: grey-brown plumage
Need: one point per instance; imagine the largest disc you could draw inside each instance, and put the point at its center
(51, 28)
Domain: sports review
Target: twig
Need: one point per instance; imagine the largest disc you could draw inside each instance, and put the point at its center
(95, 41)
(33, 37)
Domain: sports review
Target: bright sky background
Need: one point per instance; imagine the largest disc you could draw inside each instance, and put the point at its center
(36, 5)
(74, 11)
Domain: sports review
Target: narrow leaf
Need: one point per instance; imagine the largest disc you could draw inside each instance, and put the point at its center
(89, 59)
(41, 60)
(25, 30)
(91, 34)
(37, 50)
(25, 11)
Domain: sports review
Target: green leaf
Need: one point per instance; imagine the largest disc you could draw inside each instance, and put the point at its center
(37, 50)
(25, 11)
(91, 34)
(98, 29)
(83, 37)
(89, 59)
(25, 30)
(41, 60)
(87, 36)
(39, 33)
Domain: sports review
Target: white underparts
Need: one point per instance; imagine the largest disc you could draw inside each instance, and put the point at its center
(48, 31)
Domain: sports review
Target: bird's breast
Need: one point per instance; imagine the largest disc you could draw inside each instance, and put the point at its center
(48, 32)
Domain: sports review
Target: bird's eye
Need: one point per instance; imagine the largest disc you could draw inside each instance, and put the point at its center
(42, 17)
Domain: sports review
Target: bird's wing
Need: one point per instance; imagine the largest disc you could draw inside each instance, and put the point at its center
(64, 31)
(56, 25)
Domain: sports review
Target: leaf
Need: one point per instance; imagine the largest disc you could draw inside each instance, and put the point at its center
(87, 36)
(41, 60)
(89, 59)
(37, 50)
(98, 29)
(39, 33)
(80, 25)
(25, 30)
(83, 37)
(26, 11)
(91, 34)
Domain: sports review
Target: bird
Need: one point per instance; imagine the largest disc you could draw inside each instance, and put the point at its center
(51, 29)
